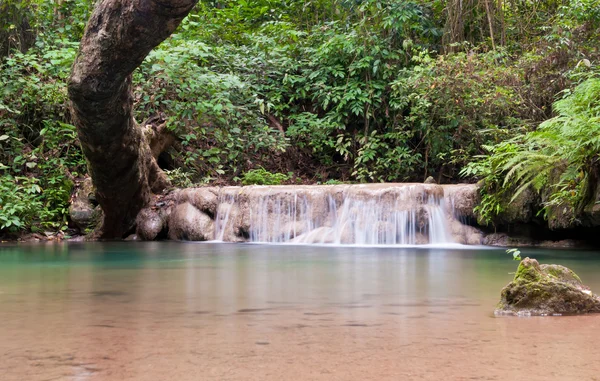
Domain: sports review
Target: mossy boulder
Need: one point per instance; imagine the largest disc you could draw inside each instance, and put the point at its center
(546, 290)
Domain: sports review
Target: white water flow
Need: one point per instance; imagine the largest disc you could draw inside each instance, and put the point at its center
(404, 214)
(224, 208)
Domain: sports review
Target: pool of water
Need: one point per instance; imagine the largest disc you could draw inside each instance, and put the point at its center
(182, 311)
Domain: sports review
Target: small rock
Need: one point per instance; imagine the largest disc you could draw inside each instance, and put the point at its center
(149, 224)
(430, 180)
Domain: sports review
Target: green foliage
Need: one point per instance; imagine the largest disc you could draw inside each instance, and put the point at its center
(261, 176)
(19, 202)
(324, 83)
(356, 90)
(516, 254)
(458, 103)
(179, 178)
(335, 91)
(39, 153)
(557, 160)
(216, 115)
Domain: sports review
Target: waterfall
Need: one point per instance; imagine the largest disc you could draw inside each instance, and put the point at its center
(225, 204)
(374, 214)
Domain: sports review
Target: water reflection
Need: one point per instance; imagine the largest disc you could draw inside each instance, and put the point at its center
(81, 311)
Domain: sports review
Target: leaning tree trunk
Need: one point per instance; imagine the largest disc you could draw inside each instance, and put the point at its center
(119, 35)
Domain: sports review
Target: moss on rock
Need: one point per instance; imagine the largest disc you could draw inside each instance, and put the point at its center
(528, 271)
(544, 290)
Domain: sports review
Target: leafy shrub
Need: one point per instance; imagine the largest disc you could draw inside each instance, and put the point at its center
(338, 90)
(457, 103)
(261, 176)
(39, 152)
(19, 202)
(179, 178)
(558, 160)
(217, 116)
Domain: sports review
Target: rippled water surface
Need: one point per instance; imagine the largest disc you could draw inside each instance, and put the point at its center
(180, 311)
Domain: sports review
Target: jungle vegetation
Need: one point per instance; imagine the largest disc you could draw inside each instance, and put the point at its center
(322, 91)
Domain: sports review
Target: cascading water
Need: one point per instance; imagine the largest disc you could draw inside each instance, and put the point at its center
(225, 205)
(398, 214)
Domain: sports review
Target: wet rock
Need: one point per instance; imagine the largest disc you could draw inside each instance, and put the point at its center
(563, 243)
(503, 239)
(189, 224)
(546, 290)
(203, 199)
(232, 227)
(561, 217)
(592, 213)
(240, 220)
(465, 234)
(592, 209)
(150, 223)
(319, 235)
(421, 239)
(82, 211)
(462, 199)
(422, 218)
(292, 229)
(474, 237)
(430, 180)
(521, 209)
(79, 238)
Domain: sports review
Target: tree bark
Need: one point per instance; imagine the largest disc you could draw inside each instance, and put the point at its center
(119, 35)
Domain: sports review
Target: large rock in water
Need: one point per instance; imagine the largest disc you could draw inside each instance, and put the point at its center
(546, 290)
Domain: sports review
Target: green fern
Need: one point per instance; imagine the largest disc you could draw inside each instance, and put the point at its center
(559, 156)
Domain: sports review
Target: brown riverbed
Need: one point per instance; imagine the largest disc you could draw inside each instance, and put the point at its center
(247, 312)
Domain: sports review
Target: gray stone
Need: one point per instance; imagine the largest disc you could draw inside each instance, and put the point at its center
(204, 199)
(465, 234)
(189, 224)
(463, 198)
(149, 224)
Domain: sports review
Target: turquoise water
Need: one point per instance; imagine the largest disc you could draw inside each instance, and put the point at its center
(342, 273)
(95, 310)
